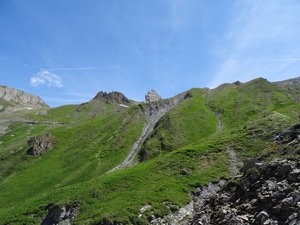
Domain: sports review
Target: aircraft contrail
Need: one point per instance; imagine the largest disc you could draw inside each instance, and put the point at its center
(280, 60)
(81, 68)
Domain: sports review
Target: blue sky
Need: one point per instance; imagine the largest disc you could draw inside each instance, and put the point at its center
(66, 51)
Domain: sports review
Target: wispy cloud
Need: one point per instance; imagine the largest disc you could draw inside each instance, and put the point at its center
(179, 15)
(279, 60)
(79, 68)
(47, 78)
(260, 33)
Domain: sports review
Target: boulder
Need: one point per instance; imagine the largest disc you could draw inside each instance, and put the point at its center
(64, 214)
(152, 96)
(38, 145)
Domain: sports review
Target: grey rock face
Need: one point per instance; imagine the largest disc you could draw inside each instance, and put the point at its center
(265, 194)
(293, 81)
(61, 215)
(40, 144)
(20, 98)
(153, 112)
(152, 96)
(112, 96)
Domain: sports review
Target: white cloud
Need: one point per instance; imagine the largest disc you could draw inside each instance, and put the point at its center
(46, 77)
(261, 41)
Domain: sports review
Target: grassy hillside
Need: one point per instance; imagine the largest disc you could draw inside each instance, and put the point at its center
(238, 104)
(189, 147)
(192, 120)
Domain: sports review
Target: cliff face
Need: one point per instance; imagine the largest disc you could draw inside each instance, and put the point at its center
(12, 99)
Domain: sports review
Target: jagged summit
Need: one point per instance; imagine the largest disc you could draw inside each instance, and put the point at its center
(237, 82)
(13, 99)
(112, 96)
(152, 96)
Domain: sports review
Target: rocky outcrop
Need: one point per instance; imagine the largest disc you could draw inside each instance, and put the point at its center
(17, 99)
(111, 97)
(265, 194)
(40, 144)
(61, 215)
(290, 87)
(153, 112)
(237, 82)
(288, 82)
(199, 196)
(152, 96)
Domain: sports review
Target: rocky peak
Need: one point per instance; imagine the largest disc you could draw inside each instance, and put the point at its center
(112, 96)
(20, 99)
(152, 96)
(237, 82)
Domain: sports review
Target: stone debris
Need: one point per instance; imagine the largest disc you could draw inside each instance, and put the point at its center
(266, 194)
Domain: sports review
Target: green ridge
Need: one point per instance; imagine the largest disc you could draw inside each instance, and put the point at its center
(187, 148)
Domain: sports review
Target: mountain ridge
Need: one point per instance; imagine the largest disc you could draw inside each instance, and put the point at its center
(24, 99)
(14, 99)
(192, 141)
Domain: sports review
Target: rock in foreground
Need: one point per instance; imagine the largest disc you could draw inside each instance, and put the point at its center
(265, 194)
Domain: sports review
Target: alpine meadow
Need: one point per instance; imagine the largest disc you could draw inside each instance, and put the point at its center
(113, 160)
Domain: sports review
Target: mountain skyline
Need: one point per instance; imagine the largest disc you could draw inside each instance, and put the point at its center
(146, 163)
(66, 52)
(14, 93)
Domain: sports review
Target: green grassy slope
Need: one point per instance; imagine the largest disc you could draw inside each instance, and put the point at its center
(237, 104)
(192, 120)
(187, 148)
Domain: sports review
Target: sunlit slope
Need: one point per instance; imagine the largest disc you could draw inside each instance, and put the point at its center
(82, 151)
(238, 104)
(190, 121)
(71, 123)
(251, 114)
(190, 145)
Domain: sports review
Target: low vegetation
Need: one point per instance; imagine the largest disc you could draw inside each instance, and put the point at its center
(187, 148)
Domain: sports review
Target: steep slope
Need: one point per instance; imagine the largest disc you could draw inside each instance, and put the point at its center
(189, 122)
(267, 194)
(182, 144)
(154, 111)
(15, 103)
(291, 87)
(12, 99)
(237, 104)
